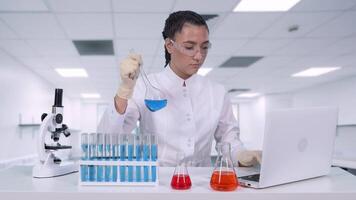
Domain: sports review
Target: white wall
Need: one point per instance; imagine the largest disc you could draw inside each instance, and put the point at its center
(252, 120)
(26, 94)
(341, 94)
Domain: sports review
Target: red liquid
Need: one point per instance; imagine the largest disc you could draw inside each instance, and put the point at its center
(181, 182)
(224, 181)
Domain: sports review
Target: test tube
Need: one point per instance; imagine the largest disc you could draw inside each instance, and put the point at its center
(114, 155)
(123, 147)
(92, 156)
(100, 156)
(84, 174)
(138, 155)
(107, 142)
(146, 156)
(130, 154)
(154, 156)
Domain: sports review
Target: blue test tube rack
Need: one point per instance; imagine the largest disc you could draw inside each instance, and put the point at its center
(119, 159)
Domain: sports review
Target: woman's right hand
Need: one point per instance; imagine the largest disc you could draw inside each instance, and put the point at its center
(129, 71)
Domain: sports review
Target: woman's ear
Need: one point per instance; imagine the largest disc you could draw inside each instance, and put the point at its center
(169, 45)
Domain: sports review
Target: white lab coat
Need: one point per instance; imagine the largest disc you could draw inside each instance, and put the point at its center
(195, 114)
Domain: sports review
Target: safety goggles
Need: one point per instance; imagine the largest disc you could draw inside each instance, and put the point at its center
(192, 50)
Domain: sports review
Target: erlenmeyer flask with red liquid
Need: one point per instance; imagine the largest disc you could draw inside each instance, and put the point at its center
(224, 177)
(180, 178)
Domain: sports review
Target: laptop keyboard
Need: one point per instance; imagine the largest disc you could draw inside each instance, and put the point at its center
(253, 177)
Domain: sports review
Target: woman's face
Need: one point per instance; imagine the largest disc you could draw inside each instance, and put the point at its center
(188, 49)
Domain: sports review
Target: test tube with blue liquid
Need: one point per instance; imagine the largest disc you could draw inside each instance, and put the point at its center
(114, 154)
(123, 150)
(138, 156)
(146, 156)
(107, 156)
(92, 156)
(100, 156)
(84, 169)
(154, 156)
(130, 154)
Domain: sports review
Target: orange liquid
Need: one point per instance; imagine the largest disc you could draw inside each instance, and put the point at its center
(224, 181)
(181, 182)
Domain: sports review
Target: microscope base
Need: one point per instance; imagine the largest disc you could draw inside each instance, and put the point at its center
(41, 170)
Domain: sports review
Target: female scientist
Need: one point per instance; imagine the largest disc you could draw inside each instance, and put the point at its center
(198, 110)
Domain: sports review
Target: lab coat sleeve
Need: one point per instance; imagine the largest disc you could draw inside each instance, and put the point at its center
(111, 121)
(228, 130)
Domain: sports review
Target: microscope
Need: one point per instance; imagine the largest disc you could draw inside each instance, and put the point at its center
(48, 165)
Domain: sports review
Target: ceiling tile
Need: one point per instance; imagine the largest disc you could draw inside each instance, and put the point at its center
(34, 62)
(54, 47)
(343, 25)
(244, 24)
(144, 6)
(205, 6)
(99, 62)
(225, 47)
(147, 47)
(134, 26)
(341, 47)
(304, 46)
(6, 32)
(17, 48)
(34, 25)
(261, 47)
(6, 60)
(22, 5)
(63, 61)
(305, 21)
(323, 5)
(80, 5)
(223, 73)
(87, 26)
(213, 61)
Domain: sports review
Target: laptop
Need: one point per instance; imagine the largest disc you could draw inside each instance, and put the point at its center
(298, 144)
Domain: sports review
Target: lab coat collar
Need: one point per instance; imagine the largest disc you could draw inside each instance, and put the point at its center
(176, 80)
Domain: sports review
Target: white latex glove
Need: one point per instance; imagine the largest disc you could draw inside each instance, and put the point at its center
(129, 71)
(248, 158)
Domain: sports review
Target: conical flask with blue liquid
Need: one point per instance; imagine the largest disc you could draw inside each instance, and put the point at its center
(154, 98)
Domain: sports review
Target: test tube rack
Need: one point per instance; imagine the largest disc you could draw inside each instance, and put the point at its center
(122, 165)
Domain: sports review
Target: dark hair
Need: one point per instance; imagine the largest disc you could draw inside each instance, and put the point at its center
(175, 22)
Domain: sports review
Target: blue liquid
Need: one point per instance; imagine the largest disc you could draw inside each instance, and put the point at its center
(107, 168)
(130, 152)
(84, 173)
(153, 173)
(138, 158)
(154, 105)
(91, 168)
(145, 173)
(154, 152)
(146, 152)
(122, 152)
(114, 157)
(100, 168)
(122, 173)
(85, 151)
(138, 174)
(91, 173)
(114, 173)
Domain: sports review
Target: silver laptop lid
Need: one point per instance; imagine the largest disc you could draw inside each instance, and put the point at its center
(298, 144)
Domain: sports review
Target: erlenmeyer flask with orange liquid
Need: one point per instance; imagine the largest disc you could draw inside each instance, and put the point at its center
(224, 177)
(181, 179)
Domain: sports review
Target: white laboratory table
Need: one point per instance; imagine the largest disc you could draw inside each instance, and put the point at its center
(17, 183)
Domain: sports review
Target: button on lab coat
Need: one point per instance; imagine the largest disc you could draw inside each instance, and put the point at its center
(195, 114)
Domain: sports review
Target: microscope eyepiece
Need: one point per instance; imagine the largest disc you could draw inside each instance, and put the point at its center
(58, 98)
